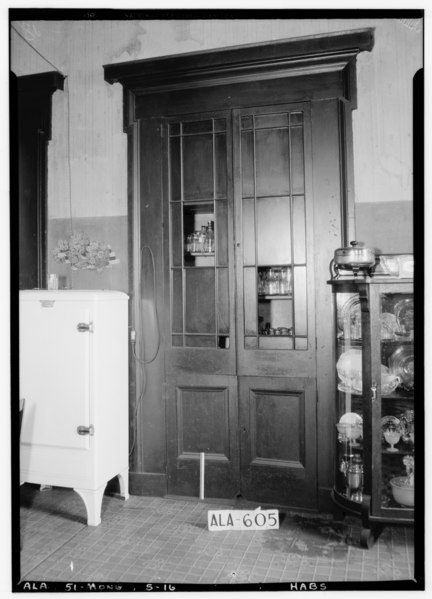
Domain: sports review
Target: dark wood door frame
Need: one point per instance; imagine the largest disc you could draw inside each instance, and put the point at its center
(331, 59)
(31, 127)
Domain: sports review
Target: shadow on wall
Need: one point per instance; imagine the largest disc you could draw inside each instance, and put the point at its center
(111, 230)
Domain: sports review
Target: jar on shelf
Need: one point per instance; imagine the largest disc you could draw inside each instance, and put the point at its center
(354, 478)
(201, 240)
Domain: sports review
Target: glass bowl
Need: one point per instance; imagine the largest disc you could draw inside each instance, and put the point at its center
(403, 492)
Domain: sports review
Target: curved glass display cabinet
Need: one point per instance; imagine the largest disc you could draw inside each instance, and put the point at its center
(375, 408)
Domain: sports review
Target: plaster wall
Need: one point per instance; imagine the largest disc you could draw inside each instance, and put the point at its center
(87, 161)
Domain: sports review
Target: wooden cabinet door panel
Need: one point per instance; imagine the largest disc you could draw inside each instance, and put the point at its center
(202, 418)
(278, 440)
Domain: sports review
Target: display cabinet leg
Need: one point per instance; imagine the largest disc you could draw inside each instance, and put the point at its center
(368, 536)
(124, 484)
(93, 501)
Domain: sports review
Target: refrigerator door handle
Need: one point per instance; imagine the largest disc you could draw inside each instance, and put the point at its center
(86, 430)
(85, 327)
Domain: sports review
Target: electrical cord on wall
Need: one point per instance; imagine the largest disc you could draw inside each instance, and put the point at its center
(141, 361)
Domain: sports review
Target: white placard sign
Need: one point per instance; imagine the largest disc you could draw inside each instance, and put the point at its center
(223, 520)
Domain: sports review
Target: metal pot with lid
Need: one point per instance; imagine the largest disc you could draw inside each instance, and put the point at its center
(353, 258)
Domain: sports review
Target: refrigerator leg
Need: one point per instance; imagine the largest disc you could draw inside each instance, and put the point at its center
(124, 483)
(93, 502)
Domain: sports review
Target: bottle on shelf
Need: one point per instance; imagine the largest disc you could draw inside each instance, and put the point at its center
(354, 477)
(201, 240)
(209, 238)
(271, 282)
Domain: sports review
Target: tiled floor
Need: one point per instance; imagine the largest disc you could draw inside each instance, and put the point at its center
(165, 540)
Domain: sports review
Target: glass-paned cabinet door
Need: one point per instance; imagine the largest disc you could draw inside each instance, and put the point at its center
(273, 208)
(349, 409)
(396, 475)
(198, 154)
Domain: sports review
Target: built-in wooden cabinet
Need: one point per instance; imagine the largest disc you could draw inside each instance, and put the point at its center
(240, 183)
(376, 402)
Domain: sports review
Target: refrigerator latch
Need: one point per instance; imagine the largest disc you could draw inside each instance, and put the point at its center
(85, 327)
(86, 430)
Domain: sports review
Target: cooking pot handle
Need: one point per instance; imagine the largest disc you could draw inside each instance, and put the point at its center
(334, 272)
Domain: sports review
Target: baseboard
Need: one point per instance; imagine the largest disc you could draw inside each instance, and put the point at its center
(148, 484)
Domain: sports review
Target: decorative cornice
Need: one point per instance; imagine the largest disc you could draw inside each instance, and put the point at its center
(282, 58)
(40, 82)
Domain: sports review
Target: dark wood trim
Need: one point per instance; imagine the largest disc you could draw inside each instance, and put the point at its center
(41, 82)
(314, 53)
(32, 127)
(147, 484)
(256, 92)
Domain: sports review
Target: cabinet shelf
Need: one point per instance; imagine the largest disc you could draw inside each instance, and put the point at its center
(271, 296)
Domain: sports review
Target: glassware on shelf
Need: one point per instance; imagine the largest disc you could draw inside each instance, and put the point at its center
(354, 479)
(401, 364)
(209, 238)
(273, 283)
(350, 428)
(407, 426)
(392, 433)
(404, 312)
(201, 242)
(274, 280)
(349, 369)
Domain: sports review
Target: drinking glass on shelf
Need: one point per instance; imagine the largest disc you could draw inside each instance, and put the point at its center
(392, 434)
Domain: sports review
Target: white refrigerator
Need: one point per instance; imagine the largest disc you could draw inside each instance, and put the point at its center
(73, 369)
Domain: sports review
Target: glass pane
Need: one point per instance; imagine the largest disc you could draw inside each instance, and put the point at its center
(281, 318)
(273, 231)
(349, 399)
(275, 317)
(198, 167)
(247, 162)
(248, 232)
(177, 340)
(221, 232)
(200, 300)
(220, 125)
(198, 232)
(197, 127)
(297, 160)
(177, 307)
(220, 166)
(397, 387)
(177, 234)
(299, 229)
(275, 281)
(300, 301)
(250, 301)
(174, 129)
(223, 301)
(175, 192)
(296, 118)
(247, 122)
(272, 162)
(271, 120)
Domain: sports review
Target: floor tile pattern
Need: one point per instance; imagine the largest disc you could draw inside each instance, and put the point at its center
(153, 539)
